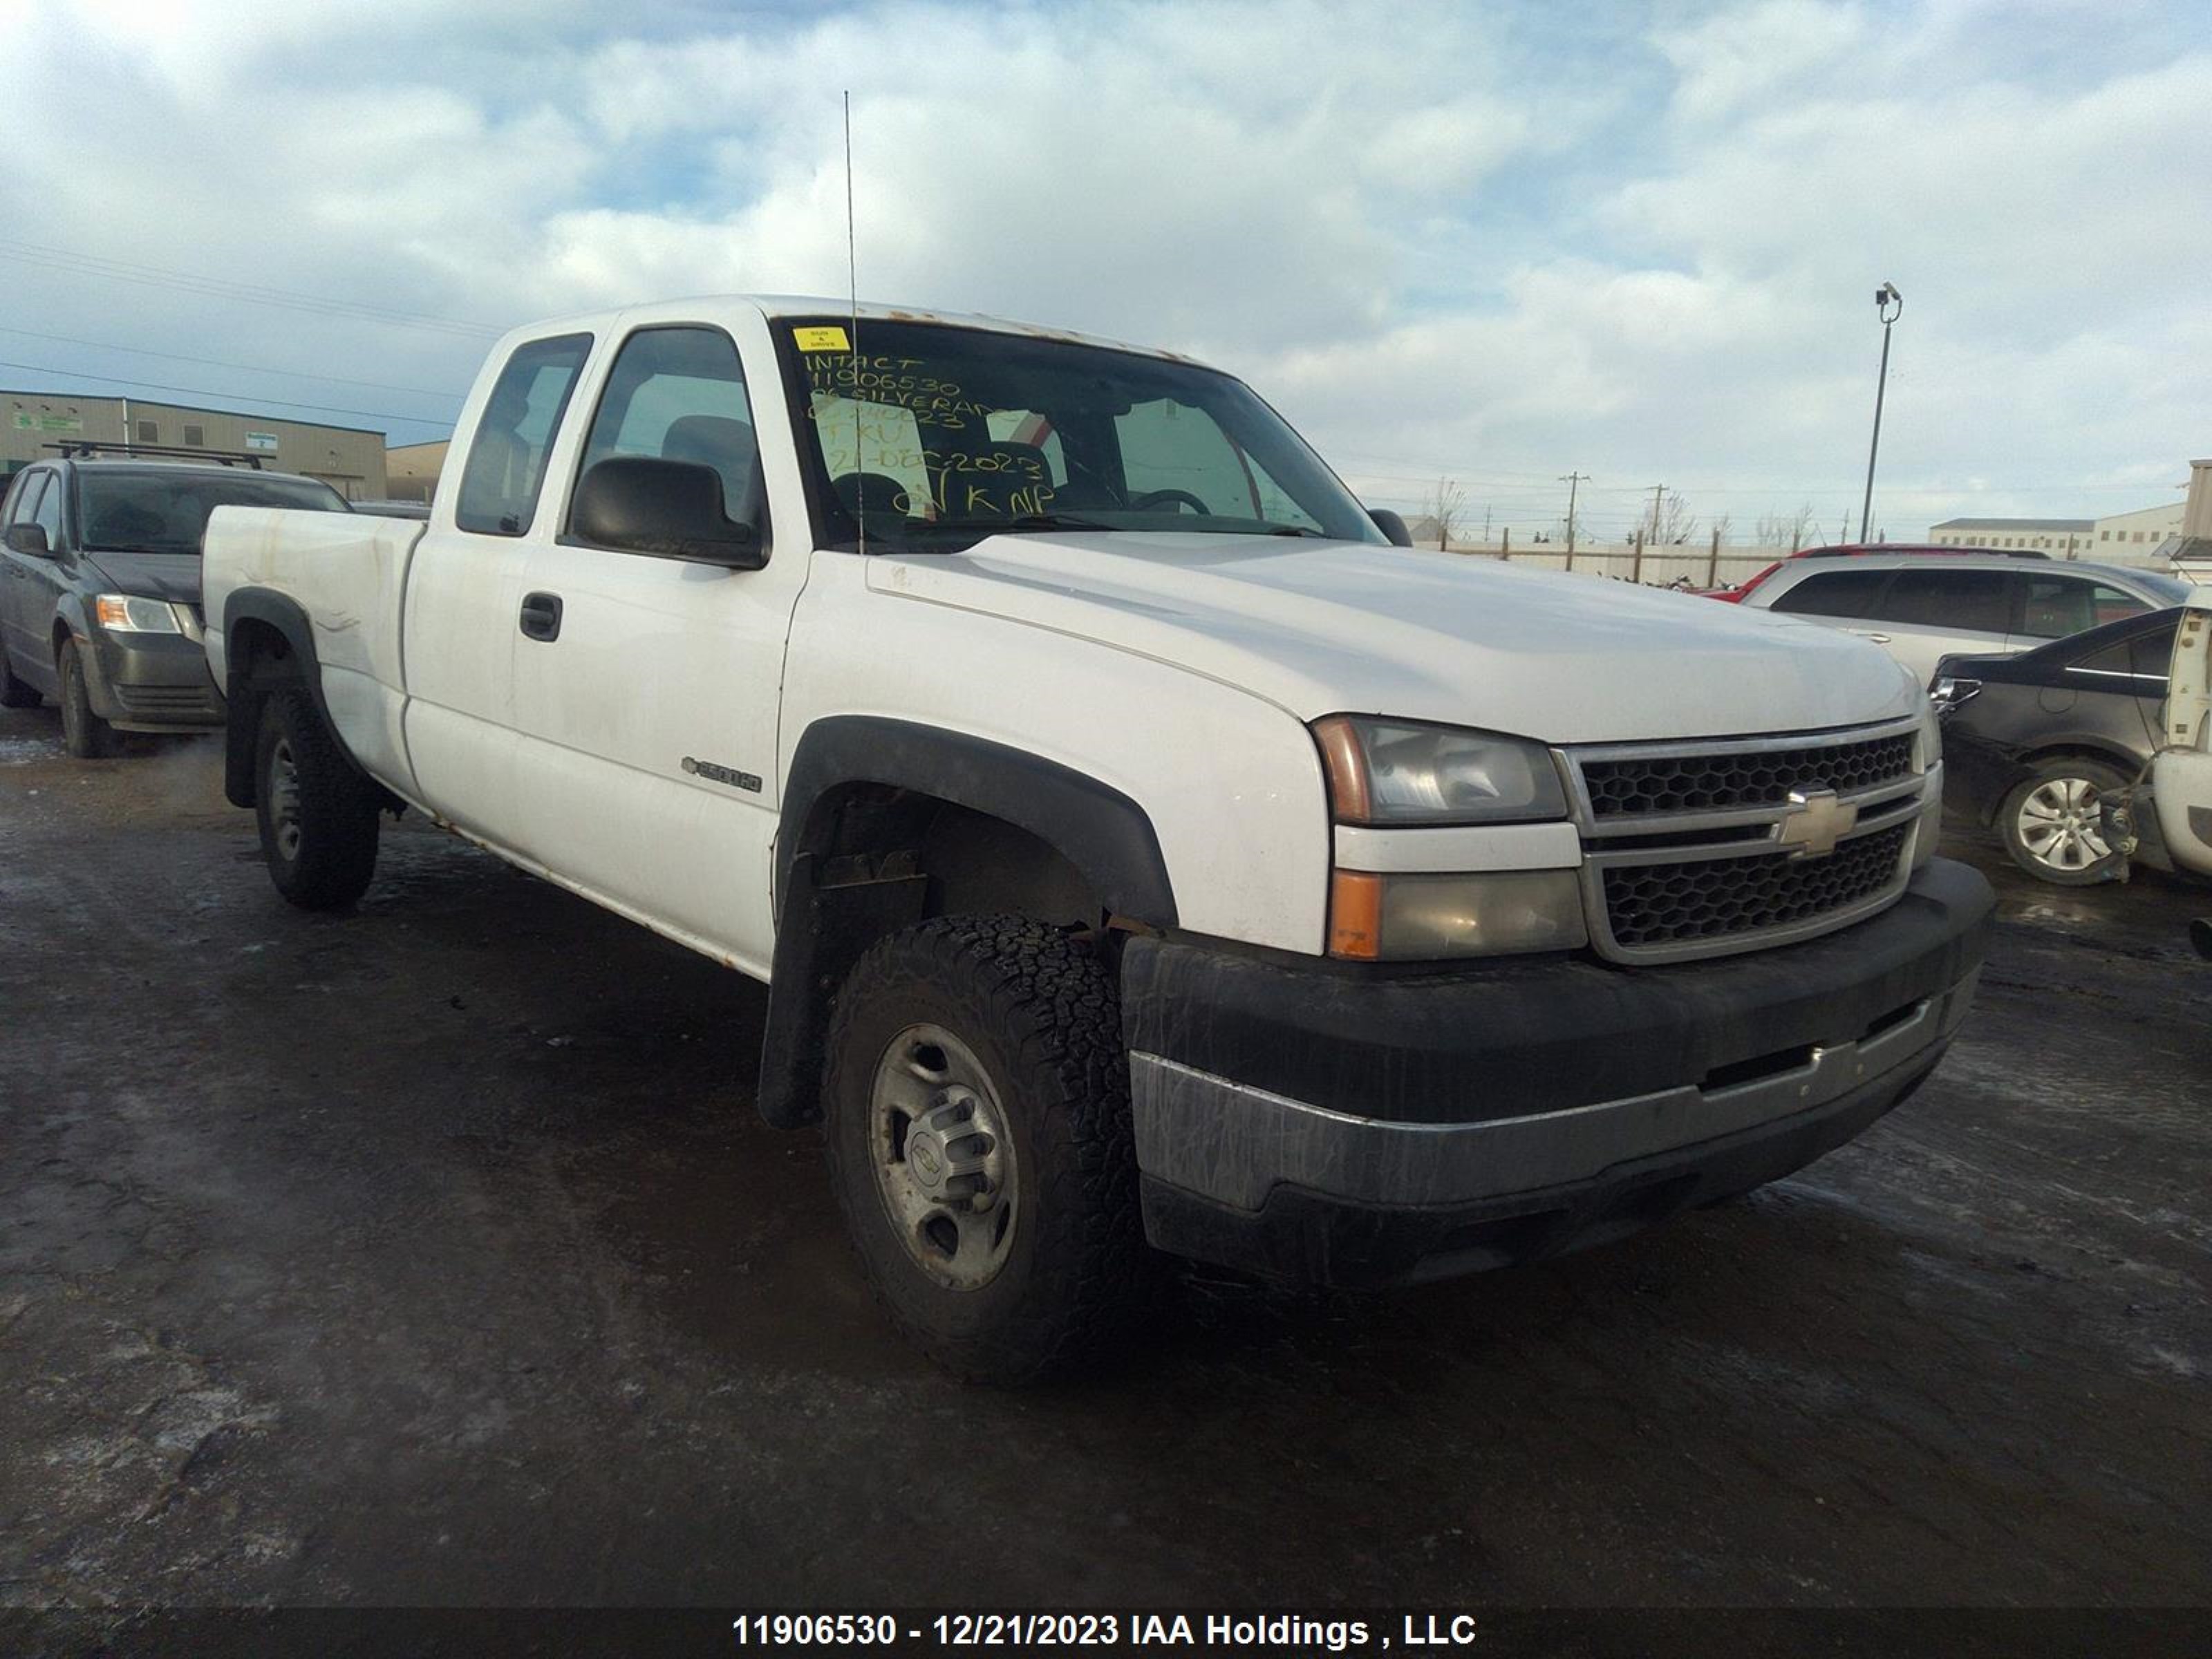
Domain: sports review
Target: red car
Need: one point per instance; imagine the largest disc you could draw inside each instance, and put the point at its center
(1846, 550)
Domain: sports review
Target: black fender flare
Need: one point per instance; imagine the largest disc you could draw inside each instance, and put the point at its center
(243, 693)
(1100, 831)
(821, 931)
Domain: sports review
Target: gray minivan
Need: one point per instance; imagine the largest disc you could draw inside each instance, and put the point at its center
(100, 590)
(1926, 607)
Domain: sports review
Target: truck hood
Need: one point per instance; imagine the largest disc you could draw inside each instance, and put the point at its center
(1323, 628)
(171, 576)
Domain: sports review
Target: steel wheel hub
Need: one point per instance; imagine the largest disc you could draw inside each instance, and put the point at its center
(943, 1159)
(2060, 824)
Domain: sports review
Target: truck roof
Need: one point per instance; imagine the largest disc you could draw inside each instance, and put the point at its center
(798, 305)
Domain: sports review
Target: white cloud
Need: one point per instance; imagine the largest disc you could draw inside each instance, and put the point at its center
(1503, 244)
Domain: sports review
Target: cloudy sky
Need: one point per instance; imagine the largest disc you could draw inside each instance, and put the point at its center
(1496, 243)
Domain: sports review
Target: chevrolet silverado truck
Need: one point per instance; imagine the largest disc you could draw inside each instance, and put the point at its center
(1144, 850)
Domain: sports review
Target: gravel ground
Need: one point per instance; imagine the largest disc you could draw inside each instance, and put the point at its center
(434, 1255)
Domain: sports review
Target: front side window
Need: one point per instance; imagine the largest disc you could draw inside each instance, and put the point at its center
(1969, 601)
(678, 394)
(507, 454)
(1835, 593)
(47, 514)
(22, 495)
(2056, 606)
(934, 436)
(166, 511)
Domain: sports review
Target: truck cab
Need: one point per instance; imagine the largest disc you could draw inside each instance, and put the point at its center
(1145, 854)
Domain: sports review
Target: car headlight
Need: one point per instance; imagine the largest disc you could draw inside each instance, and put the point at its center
(1951, 694)
(1387, 772)
(121, 613)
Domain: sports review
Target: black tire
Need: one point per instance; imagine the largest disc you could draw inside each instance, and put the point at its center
(1037, 1009)
(317, 813)
(14, 693)
(2037, 826)
(84, 734)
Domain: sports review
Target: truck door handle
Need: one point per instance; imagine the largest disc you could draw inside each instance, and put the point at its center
(541, 616)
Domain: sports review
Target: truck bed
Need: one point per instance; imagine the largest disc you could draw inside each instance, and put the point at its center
(347, 573)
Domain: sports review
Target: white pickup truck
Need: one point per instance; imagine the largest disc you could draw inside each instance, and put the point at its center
(1143, 847)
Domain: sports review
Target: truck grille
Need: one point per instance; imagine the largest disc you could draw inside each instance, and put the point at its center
(1751, 776)
(1683, 853)
(1656, 904)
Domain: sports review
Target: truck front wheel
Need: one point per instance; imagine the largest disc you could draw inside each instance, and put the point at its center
(977, 1105)
(317, 814)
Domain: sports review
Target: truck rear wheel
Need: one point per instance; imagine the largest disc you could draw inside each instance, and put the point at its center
(317, 814)
(977, 1106)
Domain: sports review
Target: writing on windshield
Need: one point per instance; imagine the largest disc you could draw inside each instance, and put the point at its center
(932, 435)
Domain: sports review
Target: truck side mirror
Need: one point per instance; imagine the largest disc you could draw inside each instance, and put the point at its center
(1391, 525)
(30, 540)
(640, 504)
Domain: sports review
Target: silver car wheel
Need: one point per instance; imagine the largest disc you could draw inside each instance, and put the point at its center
(943, 1158)
(2058, 824)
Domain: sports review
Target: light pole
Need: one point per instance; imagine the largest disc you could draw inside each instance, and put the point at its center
(1887, 303)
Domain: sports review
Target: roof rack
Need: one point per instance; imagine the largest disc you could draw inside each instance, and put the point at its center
(1851, 549)
(73, 447)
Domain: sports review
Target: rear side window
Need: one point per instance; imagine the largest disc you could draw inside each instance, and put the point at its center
(1971, 601)
(1835, 593)
(2059, 605)
(2152, 653)
(507, 455)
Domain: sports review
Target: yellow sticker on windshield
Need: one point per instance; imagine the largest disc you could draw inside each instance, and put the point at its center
(821, 339)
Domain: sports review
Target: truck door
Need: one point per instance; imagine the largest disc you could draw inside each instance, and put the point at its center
(646, 689)
(463, 590)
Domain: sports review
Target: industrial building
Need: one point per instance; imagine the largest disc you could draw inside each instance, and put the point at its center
(413, 469)
(2135, 536)
(350, 459)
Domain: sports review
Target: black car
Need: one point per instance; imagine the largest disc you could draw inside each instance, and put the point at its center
(99, 589)
(2033, 742)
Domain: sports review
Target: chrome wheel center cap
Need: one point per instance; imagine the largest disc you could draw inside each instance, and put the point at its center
(925, 1157)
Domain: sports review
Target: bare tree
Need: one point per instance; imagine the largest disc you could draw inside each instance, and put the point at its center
(1790, 530)
(1677, 524)
(1724, 529)
(1446, 504)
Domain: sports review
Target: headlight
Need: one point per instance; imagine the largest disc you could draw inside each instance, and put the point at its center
(1399, 772)
(1951, 694)
(121, 613)
(1424, 918)
(1931, 728)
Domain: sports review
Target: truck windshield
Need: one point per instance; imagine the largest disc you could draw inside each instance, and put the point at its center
(935, 436)
(167, 512)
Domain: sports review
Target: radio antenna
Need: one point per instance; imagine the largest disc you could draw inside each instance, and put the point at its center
(853, 340)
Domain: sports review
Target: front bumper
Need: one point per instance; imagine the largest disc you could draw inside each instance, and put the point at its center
(1325, 1125)
(152, 683)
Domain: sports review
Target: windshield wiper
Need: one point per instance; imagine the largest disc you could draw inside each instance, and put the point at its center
(1026, 522)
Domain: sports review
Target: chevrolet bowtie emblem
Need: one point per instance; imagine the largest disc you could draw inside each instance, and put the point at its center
(1814, 822)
